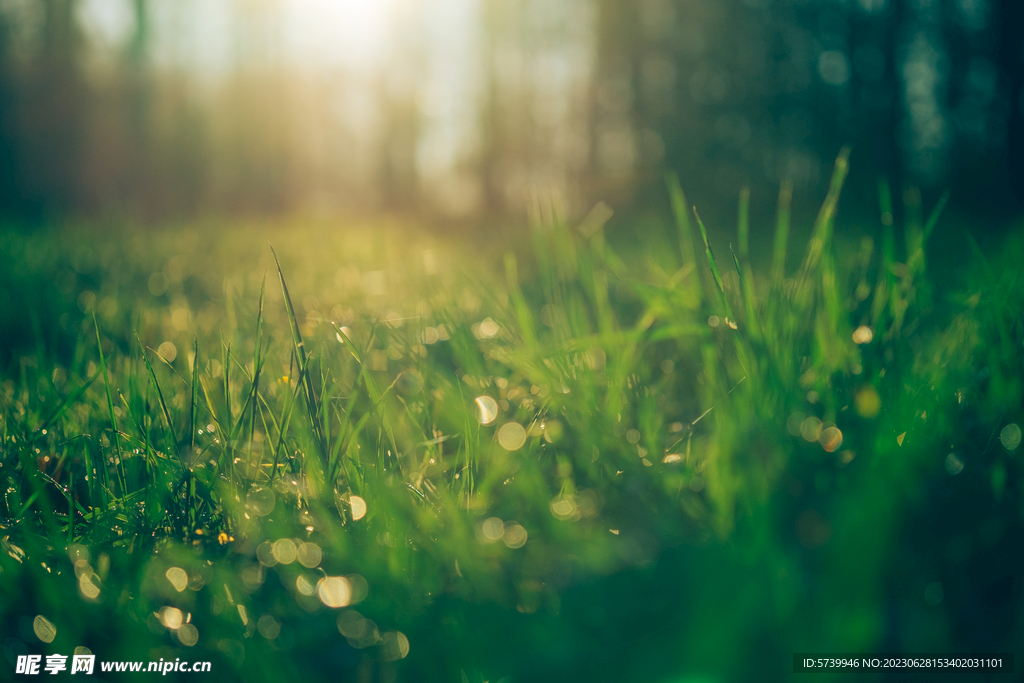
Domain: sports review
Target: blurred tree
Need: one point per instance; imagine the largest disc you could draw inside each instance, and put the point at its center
(51, 115)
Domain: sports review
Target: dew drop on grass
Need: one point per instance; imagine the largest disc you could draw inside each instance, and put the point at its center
(178, 578)
(1010, 437)
(487, 410)
(954, 465)
(512, 436)
(44, 629)
(358, 506)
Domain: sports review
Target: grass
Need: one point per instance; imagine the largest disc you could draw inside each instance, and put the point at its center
(379, 458)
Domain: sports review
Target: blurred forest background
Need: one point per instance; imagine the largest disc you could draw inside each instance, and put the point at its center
(167, 109)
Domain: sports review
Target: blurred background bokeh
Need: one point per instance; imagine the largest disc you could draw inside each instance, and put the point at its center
(167, 109)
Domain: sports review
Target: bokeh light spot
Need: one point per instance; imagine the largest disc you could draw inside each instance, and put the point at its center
(334, 591)
(309, 555)
(492, 529)
(358, 506)
(867, 402)
(188, 635)
(304, 585)
(168, 351)
(831, 439)
(563, 507)
(178, 578)
(511, 436)
(1010, 437)
(810, 428)
(171, 617)
(260, 501)
(44, 629)
(863, 335)
(284, 550)
(514, 536)
(487, 410)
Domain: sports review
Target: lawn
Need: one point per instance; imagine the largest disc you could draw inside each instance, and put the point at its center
(372, 454)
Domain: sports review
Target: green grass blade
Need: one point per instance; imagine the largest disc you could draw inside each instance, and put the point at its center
(711, 256)
(744, 223)
(194, 403)
(110, 405)
(933, 218)
(63, 407)
(160, 396)
(683, 228)
(782, 232)
(303, 362)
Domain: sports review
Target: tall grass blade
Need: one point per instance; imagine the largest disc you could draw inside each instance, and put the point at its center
(303, 362)
(744, 223)
(160, 397)
(119, 468)
(682, 216)
(782, 232)
(711, 256)
(933, 218)
(194, 403)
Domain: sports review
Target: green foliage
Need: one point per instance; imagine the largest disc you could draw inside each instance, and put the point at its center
(554, 442)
